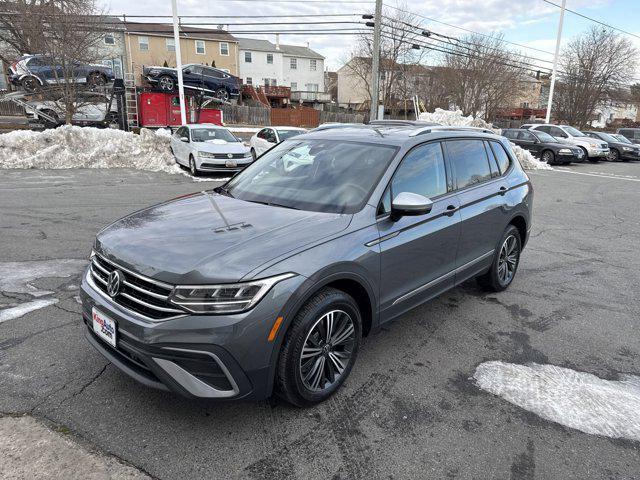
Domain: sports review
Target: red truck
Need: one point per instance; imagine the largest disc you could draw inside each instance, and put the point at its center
(159, 109)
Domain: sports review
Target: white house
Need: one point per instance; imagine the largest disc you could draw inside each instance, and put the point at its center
(300, 68)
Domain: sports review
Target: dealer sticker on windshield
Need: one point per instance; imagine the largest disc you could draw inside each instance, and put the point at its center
(104, 327)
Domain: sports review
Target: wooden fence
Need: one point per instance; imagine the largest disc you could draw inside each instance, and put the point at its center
(293, 117)
(326, 117)
(10, 109)
(239, 114)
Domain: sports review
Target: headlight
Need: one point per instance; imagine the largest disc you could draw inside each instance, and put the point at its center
(565, 151)
(206, 155)
(628, 149)
(224, 298)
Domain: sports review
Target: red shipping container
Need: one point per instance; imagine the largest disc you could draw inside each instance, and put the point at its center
(157, 109)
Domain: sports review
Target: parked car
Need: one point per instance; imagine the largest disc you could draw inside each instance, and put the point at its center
(633, 134)
(271, 136)
(209, 148)
(31, 72)
(618, 150)
(544, 146)
(270, 281)
(212, 80)
(90, 109)
(594, 150)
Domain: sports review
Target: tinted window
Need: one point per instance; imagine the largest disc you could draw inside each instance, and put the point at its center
(422, 171)
(509, 134)
(469, 160)
(501, 156)
(544, 128)
(524, 135)
(493, 163)
(261, 133)
(557, 132)
(210, 72)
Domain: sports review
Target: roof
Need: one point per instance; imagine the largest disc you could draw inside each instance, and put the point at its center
(166, 30)
(267, 46)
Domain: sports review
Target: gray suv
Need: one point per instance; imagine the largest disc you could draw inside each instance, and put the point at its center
(268, 283)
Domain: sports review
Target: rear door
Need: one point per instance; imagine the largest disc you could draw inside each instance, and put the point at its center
(418, 252)
(528, 141)
(481, 195)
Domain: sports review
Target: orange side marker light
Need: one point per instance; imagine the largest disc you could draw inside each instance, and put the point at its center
(274, 329)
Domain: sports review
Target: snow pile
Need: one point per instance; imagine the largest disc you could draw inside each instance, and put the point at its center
(86, 147)
(454, 118)
(575, 399)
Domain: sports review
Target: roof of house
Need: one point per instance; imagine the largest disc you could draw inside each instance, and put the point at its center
(267, 46)
(166, 29)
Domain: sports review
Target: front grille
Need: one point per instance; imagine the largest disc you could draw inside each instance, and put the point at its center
(213, 165)
(226, 156)
(140, 294)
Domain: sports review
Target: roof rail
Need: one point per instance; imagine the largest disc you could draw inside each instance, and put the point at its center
(413, 123)
(421, 131)
(333, 126)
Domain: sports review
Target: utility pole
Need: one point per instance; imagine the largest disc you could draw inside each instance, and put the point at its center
(176, 41)
(375, 62)
(555, 63)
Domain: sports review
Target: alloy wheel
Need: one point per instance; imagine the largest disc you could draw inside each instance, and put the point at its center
(222, 94)
(508, 260)
(327, 350)
(547, 157)
(166, 84)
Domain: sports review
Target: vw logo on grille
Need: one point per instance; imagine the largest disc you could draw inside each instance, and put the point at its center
(229, 155)
(114, 283)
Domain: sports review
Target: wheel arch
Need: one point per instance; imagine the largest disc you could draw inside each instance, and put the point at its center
(521, 224)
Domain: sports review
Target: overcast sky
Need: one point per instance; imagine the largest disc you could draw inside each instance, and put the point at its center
(529, 22)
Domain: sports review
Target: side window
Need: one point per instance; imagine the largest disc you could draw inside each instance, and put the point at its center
(261, 133)
(422, 171)
(557, 132)
(524, 135)
(493, 163)
(509, 134)
(270, 135)
(504, 162)
(470, 162)
(544, 128)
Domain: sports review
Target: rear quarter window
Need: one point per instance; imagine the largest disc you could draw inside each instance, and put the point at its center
(502, 157)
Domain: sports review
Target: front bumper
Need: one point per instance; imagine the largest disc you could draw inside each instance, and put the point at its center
(573, 156)
(597, 152)
(197, 356)
(217, 165)
(635, 155)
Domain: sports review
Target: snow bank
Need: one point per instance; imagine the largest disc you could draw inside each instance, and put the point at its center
(575, 399)
(86, 147)
(454, 118)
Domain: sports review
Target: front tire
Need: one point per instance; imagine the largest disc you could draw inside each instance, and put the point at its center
(548, 157)
(222, 94)
(30, 84)
(253, 154)
(192, 167)
(166, 83)
(505, 262)
(614, 155)
(319, 349)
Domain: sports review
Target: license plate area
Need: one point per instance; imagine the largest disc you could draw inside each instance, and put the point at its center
(104, 327)
(231, 163)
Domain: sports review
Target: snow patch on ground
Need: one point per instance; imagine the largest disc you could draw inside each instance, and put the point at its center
(24, 308)
(17, 277)
(87, 147)
(574, 399)
(454, 118)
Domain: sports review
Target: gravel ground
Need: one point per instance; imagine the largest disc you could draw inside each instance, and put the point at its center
(409, 409)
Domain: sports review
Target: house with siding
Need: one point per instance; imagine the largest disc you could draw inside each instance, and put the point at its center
(150, 44)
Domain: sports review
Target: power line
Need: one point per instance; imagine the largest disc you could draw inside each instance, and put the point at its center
(593, 19)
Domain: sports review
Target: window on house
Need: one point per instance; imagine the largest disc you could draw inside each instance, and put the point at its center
(311, 87)
(224, 49)
(293, 63)
(313, 64)
(200, 50)
(294, 86)
(247, 57)
(269, 57)
(274, 82)
(143, 44)
(109, 39)
(248, 81)
(170, 44)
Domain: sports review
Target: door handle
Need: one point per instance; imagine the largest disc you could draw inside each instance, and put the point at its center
(502, 190)
(450, 210)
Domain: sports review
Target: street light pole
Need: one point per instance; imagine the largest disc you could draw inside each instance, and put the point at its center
(375, 62)
(176, 41)
(555, 63)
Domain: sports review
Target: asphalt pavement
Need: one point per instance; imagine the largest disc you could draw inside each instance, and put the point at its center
(410, 408)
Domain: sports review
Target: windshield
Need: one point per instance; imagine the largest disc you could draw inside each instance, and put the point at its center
(317, 175)
(574, 132)
(606, 137)
(287, 134)
(207, 134)
(622, 138)
(543, 136)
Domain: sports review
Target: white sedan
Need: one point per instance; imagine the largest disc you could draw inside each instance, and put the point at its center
(209, 148)
(270, 136)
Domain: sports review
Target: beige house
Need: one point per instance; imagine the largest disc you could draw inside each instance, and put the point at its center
(150, 44)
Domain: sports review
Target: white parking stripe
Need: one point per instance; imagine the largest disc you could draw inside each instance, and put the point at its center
(602, 175)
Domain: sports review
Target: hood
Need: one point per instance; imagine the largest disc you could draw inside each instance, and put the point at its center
(211, 238)
(226, 147)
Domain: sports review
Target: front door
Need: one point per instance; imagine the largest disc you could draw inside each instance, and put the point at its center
(418, 253)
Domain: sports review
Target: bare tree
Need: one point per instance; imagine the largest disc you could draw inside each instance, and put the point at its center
(397, 56)
(594, 67)
(481, 74)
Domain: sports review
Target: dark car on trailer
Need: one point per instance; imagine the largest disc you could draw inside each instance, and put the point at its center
(269, 282)
(31, 72)
(544, 146)
(618, 149)
(208, 80)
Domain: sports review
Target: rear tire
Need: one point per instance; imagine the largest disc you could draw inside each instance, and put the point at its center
(319, 349)
(505, 262)
(222, 94)
(30, 84)
(166, 83)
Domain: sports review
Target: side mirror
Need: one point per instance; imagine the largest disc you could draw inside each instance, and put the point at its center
(407, 203)
(184, 139)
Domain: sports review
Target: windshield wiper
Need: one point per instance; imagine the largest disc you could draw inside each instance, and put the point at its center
(223, 191)
(271, 204)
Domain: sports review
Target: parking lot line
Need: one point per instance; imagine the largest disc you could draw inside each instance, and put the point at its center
(602, 175)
